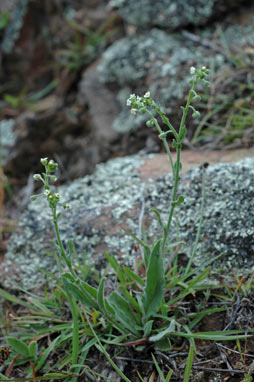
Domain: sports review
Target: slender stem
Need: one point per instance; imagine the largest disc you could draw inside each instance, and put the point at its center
(58, 239)
(199, 226)
(185, 110)
(174, 195)
(177, 164)
(164, 140)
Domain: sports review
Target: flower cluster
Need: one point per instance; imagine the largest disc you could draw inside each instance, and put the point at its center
(53, 198)
(200, 74)
(139, 104)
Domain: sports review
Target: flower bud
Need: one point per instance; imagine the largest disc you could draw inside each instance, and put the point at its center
(52, 165)
(150, 123)
(196, 114)
(197, 98)
(37, 177)
(57, 196)
(44, 161)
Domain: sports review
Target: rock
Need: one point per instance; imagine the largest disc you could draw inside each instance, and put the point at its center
(112, 198)
(172, 14)
(154, 60)
(8, 138)
(17, 10)
(159, 61)
(101, 103)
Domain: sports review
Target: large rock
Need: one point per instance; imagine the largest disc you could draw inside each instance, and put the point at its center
(112, 198)
(154, 61)
(172, 13)
(159, 61)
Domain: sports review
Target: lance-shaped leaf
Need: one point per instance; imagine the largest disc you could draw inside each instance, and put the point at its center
(154, 288)
(124, 314)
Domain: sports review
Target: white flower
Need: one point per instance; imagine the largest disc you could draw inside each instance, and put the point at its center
(133, 111)
(192, 70)
(57, 196)
(44, 161)
(46, 192)
(132, 98)
(67, 206)
(147, 95)
(37, 177)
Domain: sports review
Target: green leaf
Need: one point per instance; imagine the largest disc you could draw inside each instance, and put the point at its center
(162, 379)
(114, 264)
(132, 276)
(3, 377)
(130, 298)
(154, 288)
(19, 346)
(158, 215)
(13, 101)
(89, 289)
(179, 201)
(123, 312)
(188, 367)
(164, 344)
(33, 348)
(148, 328)
(182, 133)
(81, 294)
(100, 295)
(213, 336)
(170, 329)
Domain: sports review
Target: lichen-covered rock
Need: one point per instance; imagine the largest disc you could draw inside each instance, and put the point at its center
(159, 61)
(8, 138)
(112, 198)
(17, 10)
(172, 13)
(154, 60)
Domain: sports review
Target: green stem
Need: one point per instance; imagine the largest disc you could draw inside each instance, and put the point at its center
(177, 163)
(185, 110)
(199, 227)
(174, 195)
(164, 140)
